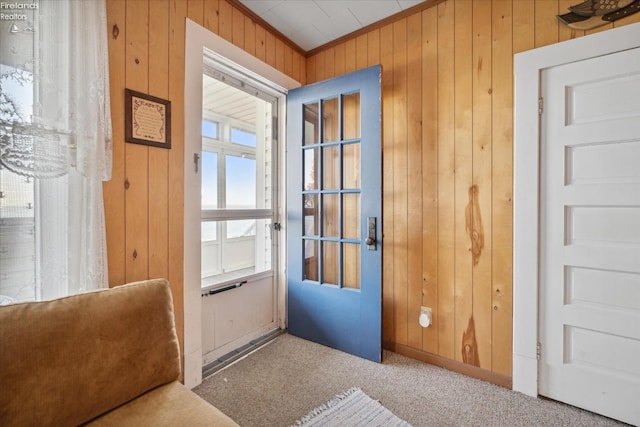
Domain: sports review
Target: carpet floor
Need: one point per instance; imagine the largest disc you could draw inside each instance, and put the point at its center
(284, 380)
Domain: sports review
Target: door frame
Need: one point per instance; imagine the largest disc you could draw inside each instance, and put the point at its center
(197, 38)
(528, 68)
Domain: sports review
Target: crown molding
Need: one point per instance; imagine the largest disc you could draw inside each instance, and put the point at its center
(378, 24)
(252, 15)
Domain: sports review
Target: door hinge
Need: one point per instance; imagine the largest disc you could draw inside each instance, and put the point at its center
(539, 351)
(277, 226)
(540, 105)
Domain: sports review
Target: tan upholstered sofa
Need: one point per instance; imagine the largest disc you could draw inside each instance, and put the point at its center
(105, 358)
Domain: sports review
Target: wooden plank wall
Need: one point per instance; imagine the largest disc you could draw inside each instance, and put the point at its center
(447, 155)
(144, 199)
(447, 169)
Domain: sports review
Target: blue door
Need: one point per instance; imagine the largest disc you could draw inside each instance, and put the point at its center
(334, 213)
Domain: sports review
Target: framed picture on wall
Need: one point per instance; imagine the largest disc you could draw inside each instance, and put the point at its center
(147, 119)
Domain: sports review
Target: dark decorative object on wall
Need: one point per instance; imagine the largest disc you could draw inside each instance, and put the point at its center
(593, 13)
(147, 119)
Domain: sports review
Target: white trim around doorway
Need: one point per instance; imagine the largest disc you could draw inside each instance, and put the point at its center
(197, 39)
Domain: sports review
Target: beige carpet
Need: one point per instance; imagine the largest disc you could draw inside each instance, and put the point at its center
(287, 378)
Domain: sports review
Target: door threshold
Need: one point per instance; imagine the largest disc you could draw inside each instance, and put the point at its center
(230, 358)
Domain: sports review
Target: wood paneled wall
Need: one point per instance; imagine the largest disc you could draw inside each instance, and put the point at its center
(447, 150)
(447, 169)
(144, 199)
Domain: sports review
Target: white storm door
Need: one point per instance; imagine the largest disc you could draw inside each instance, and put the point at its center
(590, 235)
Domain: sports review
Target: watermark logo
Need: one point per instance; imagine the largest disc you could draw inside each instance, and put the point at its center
(16, 11)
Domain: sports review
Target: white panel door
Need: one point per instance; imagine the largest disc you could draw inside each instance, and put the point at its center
(590, 235)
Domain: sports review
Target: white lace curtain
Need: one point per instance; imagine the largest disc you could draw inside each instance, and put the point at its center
(66, 145)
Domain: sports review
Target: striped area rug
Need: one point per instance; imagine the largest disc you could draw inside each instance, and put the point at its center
(352, 408)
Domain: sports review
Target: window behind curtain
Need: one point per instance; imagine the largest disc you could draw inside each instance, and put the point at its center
(55, 149)
(17, 207)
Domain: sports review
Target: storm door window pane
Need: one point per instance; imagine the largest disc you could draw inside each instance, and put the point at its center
(210, 251)
(241, 228)
(246, 250)
(209, 180)
(241, 183)
(238, 183)
(208, 231)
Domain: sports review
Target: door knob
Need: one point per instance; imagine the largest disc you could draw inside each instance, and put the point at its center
(371, 234)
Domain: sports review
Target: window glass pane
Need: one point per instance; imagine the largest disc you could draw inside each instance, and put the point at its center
(351, 116)
(311, 124)
(241, 183)
(331, 167)
(16, 198)
(351, 166)
(330, 120)
(17, 204)
(311, 215)
(209, 231)
(210, 129)
(330, 215)
(330, 265)
(210, 249)
(351, 216)
(16, 96)
(351, 266)
(245, 250)
(243, 137)
(311, 260)
(241, 228)
(17, 255)
(209, 180)
(311, 169)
